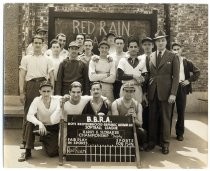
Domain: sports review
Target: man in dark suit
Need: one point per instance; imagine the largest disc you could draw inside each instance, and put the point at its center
(163, 84)
(188, 73)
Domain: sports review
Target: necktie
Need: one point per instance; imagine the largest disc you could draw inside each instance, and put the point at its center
(132, 61)
(158, 59)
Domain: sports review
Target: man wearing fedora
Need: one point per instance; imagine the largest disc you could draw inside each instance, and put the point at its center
(188, 73)
(42, 33)
(162, 88)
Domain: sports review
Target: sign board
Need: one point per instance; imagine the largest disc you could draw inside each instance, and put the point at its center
(97, 25)
(100, 139)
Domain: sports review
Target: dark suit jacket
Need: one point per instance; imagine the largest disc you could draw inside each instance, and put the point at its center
(191, 72)
(165, 77)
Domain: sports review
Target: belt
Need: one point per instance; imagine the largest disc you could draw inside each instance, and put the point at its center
(38, 79)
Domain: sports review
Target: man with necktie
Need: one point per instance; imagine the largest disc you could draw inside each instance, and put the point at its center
(162, 88)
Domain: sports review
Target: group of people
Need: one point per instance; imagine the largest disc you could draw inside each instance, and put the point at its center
(112, 83)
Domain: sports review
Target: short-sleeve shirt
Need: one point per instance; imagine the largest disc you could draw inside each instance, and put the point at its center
(30, 49)
(36, 66)
(71, 109)
(64, 53)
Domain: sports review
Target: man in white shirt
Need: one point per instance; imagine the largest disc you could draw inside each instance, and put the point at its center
(188, 74)
(110, 38)
(40, 31)
(147, 45)
(103, 70)
(62, 41)
(75, 104)
(131, 69)
(33, 70)
(119, 54)
(44, 114)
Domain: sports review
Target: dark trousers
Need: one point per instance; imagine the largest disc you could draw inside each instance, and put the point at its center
(159, 121)
(145, 118)
(181, 99)
(32, 91)
(141, 136)
(50, 141)
(116, 89)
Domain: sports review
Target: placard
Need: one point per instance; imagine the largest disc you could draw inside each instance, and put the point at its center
(100, 139)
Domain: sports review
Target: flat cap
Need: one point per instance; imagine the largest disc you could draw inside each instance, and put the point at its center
(129, 85)
(73, 44)
(45, 83)
(103, 42)
(146, 39)
(41, 29)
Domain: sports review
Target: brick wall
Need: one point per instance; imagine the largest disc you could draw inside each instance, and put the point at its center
(189, 25)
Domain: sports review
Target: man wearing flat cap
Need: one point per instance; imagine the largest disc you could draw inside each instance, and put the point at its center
(43, 118)
(188, 74)
(147, 45)
(103, 70)
(162, 89)
(70, 70)
(127, 106)
(42, 33)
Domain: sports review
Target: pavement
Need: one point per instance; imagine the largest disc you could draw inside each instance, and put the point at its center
(192, 153)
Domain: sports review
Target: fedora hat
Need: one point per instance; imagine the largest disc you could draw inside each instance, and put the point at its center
(160, 34)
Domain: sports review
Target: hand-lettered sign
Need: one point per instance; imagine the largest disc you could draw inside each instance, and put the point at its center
(100, 139)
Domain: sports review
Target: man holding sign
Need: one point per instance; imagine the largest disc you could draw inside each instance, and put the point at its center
(126, 106)
(75, 104)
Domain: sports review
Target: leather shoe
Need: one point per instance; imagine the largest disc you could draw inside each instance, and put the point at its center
(24, 156)
(165, 150)
(180, 138)
(150, 147)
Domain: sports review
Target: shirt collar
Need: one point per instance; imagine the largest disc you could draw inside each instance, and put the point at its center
(162, 52)
(130, 58)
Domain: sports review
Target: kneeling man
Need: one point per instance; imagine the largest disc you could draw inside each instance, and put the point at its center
(126, 106)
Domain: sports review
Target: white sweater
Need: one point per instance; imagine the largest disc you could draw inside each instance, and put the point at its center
(39, 113)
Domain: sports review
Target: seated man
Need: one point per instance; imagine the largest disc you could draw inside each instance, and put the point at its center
(44, 112)
(126, 106)
(97, 105)
(74, 104)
